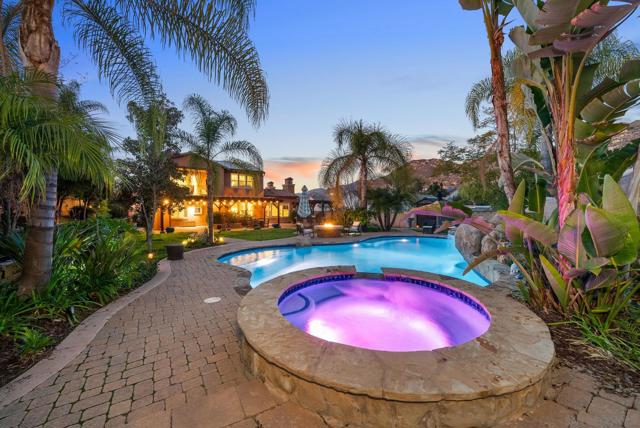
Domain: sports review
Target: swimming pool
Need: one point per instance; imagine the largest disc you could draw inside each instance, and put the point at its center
(429, 254)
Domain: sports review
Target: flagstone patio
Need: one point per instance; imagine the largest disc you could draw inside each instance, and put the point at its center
(170, 360)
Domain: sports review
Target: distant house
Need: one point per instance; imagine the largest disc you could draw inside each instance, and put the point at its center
(239, 197)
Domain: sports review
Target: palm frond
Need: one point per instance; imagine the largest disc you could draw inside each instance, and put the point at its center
(480, 92)
(116, 48)
(611, 54)
(337, 167)
(241, 150)
(38, 135)
(9, 46)
(214, 36)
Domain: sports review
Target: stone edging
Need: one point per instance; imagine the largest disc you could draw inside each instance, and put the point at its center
(76, 341)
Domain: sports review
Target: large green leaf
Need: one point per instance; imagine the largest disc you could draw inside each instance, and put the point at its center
(557, 12)
(607, 232)
(537, 197)
(530, 227)
(471, 4)
(529, 12)
(630, 70)
(601, 161)
(603, 279)
(616, 202)
(504, 7)
(570, 242)
(512, 232)
(558, 284)
(522, 39)
(613, 103)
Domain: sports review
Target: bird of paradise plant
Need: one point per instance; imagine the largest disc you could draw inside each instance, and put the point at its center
(584, 266)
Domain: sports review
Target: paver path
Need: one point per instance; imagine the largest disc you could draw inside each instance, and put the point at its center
(171, 360)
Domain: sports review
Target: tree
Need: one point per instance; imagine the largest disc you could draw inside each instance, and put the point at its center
(524, 123)
(362, 149)
(39, 136)
(495, 14)
(214, 35)
(561, 72)
(148, 171)
(210, 143)
(398, 194)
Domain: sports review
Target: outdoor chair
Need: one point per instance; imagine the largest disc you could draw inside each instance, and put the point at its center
(429, 225)
(355, 229)
(304, 232)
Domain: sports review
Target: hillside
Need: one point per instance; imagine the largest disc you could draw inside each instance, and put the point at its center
(423, 170)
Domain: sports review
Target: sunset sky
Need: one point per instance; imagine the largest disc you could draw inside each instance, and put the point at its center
(407, 65)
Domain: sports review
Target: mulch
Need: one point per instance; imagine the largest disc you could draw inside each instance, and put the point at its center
(572, 351)
(12, 362)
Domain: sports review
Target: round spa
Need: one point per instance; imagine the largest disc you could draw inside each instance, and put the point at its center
(401, 349)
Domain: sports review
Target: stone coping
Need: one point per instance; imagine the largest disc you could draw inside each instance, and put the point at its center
(515, 352)
(77, 340)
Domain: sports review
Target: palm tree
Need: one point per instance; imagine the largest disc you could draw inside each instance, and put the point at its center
(40, 138)
(212, 34)
(494, 20)
(9, 50)
(211, 143)
(363, 149)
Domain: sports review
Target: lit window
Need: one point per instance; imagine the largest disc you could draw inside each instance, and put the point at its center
(241, 180)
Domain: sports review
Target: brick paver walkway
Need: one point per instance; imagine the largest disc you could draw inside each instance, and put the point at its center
(171, 360)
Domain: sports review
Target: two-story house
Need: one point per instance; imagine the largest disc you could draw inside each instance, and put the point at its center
(239, 197)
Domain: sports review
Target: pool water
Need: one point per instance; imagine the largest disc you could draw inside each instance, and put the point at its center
(436, 255)
(385, 314)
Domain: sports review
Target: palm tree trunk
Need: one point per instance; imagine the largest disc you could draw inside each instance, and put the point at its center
(210, 187)
(363, 185)
(38, 250)
(40, 53)
(499, 99)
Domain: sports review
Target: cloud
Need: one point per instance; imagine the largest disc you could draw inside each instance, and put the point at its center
(427, 146)
(304, 170)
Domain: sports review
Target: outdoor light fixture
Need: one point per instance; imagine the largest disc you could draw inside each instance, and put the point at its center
(150, 256)
(185, 242)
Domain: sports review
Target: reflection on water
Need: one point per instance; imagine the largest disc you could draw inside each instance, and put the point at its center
(425, 254)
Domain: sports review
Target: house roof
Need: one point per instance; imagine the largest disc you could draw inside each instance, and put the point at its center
(194, 161)
(280, 193)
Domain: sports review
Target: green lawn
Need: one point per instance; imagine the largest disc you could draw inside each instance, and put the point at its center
(159, 240)
(259, 235)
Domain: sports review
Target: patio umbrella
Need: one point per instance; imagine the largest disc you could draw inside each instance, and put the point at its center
(304, 210)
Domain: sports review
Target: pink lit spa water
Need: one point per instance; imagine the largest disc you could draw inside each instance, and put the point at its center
(390, 314)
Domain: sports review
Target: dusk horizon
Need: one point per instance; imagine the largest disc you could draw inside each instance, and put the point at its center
(397, 66)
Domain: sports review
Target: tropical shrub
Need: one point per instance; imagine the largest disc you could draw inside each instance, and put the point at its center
(475, 193)
(584, 267)
(94, 261)
(32, 342)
